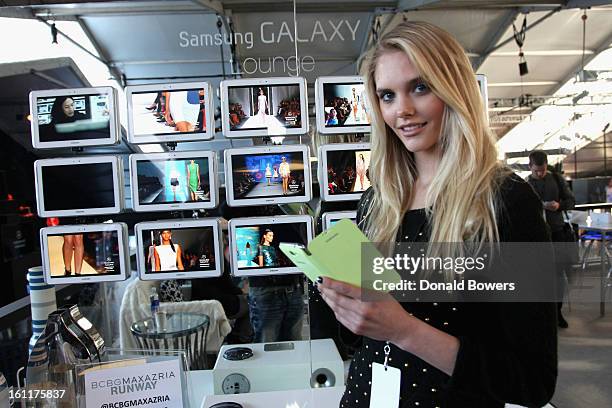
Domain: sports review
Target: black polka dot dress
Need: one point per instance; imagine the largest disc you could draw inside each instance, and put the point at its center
(421, 383)
(498, 360)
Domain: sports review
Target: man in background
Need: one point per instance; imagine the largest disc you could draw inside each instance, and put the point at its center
(556, 198)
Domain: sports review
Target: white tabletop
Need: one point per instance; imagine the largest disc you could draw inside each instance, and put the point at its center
(202, 391)
(315, 398)
(596, 227)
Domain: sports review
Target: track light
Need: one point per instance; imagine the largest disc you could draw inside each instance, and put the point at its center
(523, 70)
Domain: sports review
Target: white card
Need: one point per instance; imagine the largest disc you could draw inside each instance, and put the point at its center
(385, 391)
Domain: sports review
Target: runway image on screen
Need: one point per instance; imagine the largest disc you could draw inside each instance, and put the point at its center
(345, 105)
(78, 186)
(348, 171)
(268, 175)
(169, 112)
(179, 249)
(173, 181)
(264, 107)
(257, 245)
(86, 253)
(75, 117)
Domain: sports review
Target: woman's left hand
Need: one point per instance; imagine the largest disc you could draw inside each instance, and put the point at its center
(383, 319)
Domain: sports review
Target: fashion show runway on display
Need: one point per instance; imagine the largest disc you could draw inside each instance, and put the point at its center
(57, 261)
(263, 190)
(266, 121)
(148, 123)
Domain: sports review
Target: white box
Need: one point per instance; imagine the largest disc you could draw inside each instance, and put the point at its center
(310, 364)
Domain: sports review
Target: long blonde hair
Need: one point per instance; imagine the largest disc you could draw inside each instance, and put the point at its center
(460, 201)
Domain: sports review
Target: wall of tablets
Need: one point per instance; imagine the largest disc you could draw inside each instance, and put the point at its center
(187, 180)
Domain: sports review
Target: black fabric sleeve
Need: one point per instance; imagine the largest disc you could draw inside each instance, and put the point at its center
(509, 351)
(567, 201)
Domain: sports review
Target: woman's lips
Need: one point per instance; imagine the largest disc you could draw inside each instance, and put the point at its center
(412, 129)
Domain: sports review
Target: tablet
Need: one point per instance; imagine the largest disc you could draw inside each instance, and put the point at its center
(84, 253)
(341, 106)
(174, 112)
(174, 181)
(344, 171)
(76, 117)
(329, 219)
(254, 243)
(179, 249)
(264, 107)
(77, 186)
(267, 175)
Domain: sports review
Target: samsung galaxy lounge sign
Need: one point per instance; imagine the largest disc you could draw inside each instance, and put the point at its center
(274, 33)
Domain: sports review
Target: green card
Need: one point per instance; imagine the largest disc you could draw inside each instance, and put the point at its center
(339, 253)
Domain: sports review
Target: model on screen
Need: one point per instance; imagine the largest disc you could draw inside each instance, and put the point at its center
(184, 109)
(268, 173)
(174, 181)
(168, 255)
(73, 246)
(193, 177)
(262, 104)
(266, 253)
(284, 171)
(361, 169)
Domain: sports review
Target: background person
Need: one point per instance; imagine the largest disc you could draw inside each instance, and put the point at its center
(276, 303)
(556, 197)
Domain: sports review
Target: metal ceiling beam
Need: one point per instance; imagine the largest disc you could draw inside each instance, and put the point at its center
(49, 78)
(60, 32)
(364, 44)
(604, 45)
(116, 74)
(407, 5)
(497, 35)
(586, 3)
(529, 27)
(214, 5)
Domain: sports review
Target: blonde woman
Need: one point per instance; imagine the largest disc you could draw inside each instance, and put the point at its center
(435, 178)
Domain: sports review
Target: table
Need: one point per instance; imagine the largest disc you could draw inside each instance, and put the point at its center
(604, 229)
(175, 331)
(202, 395)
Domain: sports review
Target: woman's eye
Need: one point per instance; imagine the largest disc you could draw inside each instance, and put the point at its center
(386, 96)
(421, 87)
